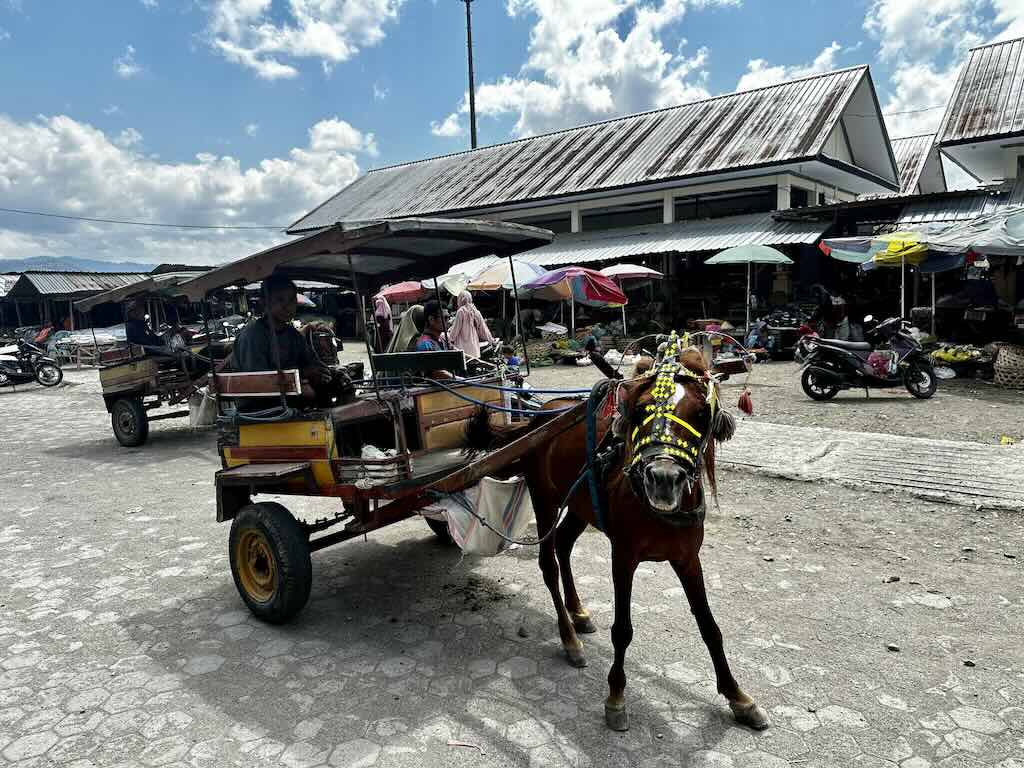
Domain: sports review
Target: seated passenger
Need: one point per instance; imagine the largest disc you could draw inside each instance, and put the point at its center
(409, 329)
(137, 331)
(253, 352)
(433, 338)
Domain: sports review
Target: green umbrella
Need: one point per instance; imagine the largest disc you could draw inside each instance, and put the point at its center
(749, 254)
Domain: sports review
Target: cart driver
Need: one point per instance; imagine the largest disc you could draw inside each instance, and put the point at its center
(137, 332)
(253, 352)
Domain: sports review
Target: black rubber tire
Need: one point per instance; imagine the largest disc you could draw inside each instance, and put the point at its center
(5, 380)
(289, 547)
(440, 529)
(47, 366)
(129, 421)
(913, 385)
(823, 393)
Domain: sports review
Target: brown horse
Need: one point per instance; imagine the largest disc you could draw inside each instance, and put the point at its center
(670, 421)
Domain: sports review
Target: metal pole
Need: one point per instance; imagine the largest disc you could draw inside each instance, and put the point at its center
(515, 292)
(903, 287)
(750, 266)
(933, 303)
(362, 309)
(209, 352)
(472, 87)
(274, 346)
(444, 321)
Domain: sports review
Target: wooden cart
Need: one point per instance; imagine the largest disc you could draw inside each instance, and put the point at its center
(384, 454)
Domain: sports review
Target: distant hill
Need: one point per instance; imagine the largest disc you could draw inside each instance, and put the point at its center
(72, 264)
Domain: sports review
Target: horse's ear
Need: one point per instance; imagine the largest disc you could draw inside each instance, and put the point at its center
(723, 426)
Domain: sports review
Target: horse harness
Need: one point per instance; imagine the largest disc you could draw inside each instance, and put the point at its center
(661, 443)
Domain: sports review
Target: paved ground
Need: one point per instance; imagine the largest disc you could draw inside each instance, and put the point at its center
(123, 641)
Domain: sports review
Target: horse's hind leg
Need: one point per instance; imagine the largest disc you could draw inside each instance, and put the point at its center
(623, 568)
(746, 711)
(565, 538)
(546, 518)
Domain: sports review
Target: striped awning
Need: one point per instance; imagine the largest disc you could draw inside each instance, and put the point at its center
(681, 237)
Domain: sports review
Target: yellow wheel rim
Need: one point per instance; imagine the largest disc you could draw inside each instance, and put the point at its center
(257, 569)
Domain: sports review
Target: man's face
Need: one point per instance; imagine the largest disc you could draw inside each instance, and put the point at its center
(435, 324)
(282, 305)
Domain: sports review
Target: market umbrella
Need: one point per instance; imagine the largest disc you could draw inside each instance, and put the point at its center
(507, 274)
(996, 234)
(620, 272)
(749, 255)
(453, 282)
(403, 293)
(577, 284)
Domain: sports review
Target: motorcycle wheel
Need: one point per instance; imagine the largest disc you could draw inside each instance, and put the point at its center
(49, 375)
(815, 389)
(920, 381)
(129, 421)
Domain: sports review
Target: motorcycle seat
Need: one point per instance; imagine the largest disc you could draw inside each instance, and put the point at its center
(853, 346)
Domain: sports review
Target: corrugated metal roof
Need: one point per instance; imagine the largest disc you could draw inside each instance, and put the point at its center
(681, 237)
(6, 283)
(988, 99)
(967, 205)
(60, 283)
(779, 123)
(911, 154)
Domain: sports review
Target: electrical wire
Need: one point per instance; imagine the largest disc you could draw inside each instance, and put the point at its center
(140, 223)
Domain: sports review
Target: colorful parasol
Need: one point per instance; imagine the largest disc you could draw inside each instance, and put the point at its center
(404, 293)
(576, 284)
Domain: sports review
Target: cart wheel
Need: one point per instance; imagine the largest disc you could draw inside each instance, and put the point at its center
(440, 529)
(128, 418)
(269, 554)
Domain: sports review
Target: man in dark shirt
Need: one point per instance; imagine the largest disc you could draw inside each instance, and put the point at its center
(137, 331)
(253, 351)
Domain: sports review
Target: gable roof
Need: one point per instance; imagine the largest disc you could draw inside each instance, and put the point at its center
(787, 122)
(988, 100)
(46, 283)
(914, 156)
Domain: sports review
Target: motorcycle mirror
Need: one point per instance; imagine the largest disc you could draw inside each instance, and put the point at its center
(868, 318)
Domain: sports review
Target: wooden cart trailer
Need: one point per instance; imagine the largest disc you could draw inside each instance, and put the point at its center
(136, 381)
(415, 425)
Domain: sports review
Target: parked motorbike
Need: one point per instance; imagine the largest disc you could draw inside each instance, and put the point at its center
(889, 358)
(23, 362)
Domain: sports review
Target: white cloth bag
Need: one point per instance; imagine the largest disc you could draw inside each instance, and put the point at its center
(504, 504)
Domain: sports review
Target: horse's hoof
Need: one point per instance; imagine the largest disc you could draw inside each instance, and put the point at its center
(576, 657)
(749, 714)
(616, 717)
(584, 625)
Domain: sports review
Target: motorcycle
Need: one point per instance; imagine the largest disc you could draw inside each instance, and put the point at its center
(889, 358)
(23, 362)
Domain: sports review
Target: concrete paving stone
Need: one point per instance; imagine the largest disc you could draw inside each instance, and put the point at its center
(31, 745)
(977, 720)
(358, 753)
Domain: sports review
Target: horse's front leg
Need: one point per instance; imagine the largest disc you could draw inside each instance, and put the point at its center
(745, 709)
(623, 567)
(565, 539)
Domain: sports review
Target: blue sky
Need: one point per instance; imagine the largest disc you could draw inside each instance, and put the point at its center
(250, 112)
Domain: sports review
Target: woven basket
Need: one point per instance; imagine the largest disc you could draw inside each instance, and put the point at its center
(1009, 367)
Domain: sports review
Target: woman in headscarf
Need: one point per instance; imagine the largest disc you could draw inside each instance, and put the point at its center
(382, 317)
(468, 329)
(410, 327)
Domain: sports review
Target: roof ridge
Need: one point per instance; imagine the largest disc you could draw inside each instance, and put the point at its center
(608, 121)
(915, 136)
(996, 42)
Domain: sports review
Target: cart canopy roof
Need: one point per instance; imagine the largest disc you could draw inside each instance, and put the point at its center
(376, 251)
(163, 286)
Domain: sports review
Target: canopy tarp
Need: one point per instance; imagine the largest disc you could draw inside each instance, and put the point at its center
(577, 284)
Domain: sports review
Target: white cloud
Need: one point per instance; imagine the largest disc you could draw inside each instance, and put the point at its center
(760, 74)
(593, 59)
(336, 135)
(4, 35)
(129, 137)
(60, 165)
(150, 4)
(252, 129)
(1009, 18)
(125, 66)
(913, 30)
(380, 93)
(247, 32)
(113, 109)
(450, 127)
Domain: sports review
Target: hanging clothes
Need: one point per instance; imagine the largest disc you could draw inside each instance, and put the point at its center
(469, 328)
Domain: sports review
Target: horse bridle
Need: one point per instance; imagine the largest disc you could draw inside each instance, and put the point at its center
(663, 442)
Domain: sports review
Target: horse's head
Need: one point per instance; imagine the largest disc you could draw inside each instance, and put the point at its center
(671, 421)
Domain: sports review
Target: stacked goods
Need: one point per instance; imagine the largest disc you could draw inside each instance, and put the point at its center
(1009, 367)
